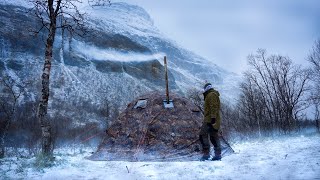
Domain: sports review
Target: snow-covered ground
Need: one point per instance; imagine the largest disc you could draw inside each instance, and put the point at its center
(295, 157)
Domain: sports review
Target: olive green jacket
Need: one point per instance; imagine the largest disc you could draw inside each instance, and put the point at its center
(212, 108)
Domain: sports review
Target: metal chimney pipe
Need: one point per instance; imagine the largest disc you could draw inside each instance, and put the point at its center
(166, 76)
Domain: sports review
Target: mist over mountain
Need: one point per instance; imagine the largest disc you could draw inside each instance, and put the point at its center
(93, 76)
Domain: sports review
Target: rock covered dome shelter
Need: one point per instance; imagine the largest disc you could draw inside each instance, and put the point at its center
(146, 131)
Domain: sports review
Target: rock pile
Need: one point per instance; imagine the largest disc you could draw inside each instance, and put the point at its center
(147, 131)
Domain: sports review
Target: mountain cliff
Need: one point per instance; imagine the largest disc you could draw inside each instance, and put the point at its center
(119, 59)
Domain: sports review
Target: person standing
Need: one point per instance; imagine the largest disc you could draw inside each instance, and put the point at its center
(211, 123)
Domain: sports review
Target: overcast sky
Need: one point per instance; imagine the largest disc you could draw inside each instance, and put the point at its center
(226, 31)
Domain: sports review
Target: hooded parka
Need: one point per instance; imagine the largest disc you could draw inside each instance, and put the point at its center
(212, 108)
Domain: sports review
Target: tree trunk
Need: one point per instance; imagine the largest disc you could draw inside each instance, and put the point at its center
(2, 148)
(5, 129)
(3, 136)
(47, 139)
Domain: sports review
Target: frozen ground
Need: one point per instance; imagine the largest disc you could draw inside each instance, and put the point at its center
(282, 158)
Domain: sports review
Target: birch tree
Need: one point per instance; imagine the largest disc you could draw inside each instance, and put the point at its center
(53, 15)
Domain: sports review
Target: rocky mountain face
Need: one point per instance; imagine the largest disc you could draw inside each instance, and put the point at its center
(96, 75)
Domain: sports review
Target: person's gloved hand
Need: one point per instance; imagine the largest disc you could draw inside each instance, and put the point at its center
(213, 120)
(210, 125)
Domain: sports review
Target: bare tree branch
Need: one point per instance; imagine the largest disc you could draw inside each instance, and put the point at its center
(12, 91)
(274, 85)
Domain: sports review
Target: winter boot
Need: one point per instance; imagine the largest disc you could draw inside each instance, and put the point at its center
(206, 155)
(205, 158)
(217, 155)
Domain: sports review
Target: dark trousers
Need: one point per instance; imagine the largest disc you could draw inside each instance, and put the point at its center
(208, 132)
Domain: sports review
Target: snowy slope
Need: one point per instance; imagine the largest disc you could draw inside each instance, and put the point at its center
(135, 27)
(135, 22)
(282, 158)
